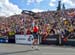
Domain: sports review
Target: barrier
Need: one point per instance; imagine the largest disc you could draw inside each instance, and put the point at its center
(3, 40)
(24, 39)
(11, 39)
(51, 39)
(70, 40)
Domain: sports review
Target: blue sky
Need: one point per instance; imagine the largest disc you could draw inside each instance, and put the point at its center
(41, 4)
(11, 7)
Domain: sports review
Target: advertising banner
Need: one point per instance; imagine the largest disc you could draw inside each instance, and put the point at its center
(51, 39)
(11, 39)
(3, 40)
(69, 40)
(24, 39)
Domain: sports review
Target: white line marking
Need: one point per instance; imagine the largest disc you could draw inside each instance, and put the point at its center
(58, 53)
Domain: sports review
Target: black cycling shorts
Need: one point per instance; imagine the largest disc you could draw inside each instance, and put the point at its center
(35, 35)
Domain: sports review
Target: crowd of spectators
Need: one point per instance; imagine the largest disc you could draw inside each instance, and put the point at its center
(49, 22)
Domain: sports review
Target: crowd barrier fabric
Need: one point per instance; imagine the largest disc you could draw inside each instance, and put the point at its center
(24, 39)
(11, 39)
(70, 40)
(51, 39)
(3, 40)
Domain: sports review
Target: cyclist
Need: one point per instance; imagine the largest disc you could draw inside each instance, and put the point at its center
(35, 34)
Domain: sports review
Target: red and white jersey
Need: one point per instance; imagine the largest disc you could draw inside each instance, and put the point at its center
(35, 29)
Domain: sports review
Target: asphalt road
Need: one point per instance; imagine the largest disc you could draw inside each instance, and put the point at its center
(14, 49)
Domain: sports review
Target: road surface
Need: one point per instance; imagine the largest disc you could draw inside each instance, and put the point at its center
(14, 49)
